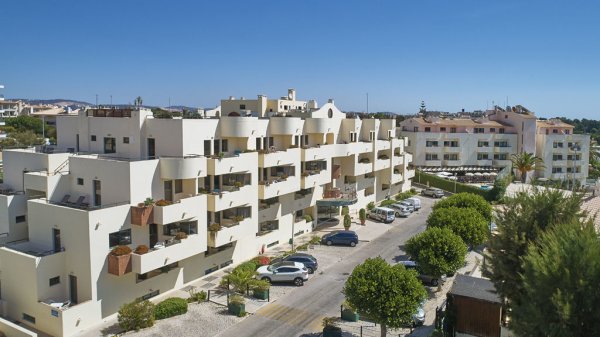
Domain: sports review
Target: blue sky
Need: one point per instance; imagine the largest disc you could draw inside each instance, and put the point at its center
(453, 54)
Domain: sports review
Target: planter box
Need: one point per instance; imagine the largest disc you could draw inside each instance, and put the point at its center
(142, 216)
(119, 265)
(350, 316)
(260, 294)
(236, 309)
(332, 332)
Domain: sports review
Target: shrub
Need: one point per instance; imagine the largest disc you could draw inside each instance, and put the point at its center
(120, 251)
(261, 260)
(236, 299)
(464, 222)
(347, 221)
(148, 202)
(308, 218)
(302, 247)
(329, 325)
(141, 250)
(136, 315)
(237, 218)
(196, 296)
(465, 200)
(449, 185)
(170, 307)
(240, 277)
(181, 235)
(404, 195)
(315, 240)
(345, 210)
(370, 205)
(387, 202)
(163, 202)
(260, 285)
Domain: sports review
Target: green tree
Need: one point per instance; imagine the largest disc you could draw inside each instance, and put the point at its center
(437, 251)
(522, 219)
(464, 222)
(26, 138)
(525, 162)
(466, 200)
(389, 295)
(25, 123)
(138, 101)
(345, 210)
(136, 315)
(561, 273)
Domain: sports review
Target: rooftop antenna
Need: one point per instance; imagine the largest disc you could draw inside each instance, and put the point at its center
(96, 100)
(423, 108)
(111, 100)
(367, 103)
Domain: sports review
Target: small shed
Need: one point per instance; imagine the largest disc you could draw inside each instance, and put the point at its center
(477, 308)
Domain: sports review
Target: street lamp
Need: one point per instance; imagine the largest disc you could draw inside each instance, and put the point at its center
(574, 148)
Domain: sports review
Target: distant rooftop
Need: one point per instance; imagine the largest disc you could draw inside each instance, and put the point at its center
(473, 287)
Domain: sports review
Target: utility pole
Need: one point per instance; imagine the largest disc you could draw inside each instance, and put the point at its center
(367, 103)
(96, 100)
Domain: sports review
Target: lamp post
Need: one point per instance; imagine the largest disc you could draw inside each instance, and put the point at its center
(574, 148)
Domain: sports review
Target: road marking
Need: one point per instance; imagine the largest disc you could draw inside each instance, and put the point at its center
(290, 316)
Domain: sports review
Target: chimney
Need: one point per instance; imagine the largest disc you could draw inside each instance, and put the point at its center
(231, 98)
(331, 101)
(292, 94)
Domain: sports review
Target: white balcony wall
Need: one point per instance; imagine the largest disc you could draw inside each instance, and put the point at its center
(183, 167)
(244, 162)
(287, 157)
(229, 199)
(194, 244)
(286, 125)
(183, 210)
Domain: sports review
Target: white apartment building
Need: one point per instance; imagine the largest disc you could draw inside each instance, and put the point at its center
(487, 142)
(63, 210)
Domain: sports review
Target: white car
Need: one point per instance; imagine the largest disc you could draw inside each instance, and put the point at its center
(284, 272)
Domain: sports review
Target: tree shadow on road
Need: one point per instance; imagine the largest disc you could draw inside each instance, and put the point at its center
(312, 334)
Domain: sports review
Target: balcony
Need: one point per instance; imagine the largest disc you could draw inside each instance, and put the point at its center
(382, 145)
(186, 167)
(242, 127)
(230, 231)
(286, 125)
(363, 147)
(501, 163)
(382, 162)
(68, 317)
(451, 162)
(398, 160)
(396, 177)
(364, 182)
(318, 152)
(321, 125)
(275, 187)
(241, 162)
(312, 178)
(184, 209)
(433, 163)
(194, 244)
(276, 158)
(229, 197)
(484, 162)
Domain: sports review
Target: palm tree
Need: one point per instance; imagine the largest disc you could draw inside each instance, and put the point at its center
(525, 162)
(138, 101)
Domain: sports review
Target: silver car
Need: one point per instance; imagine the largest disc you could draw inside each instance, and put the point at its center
(401, 210)
(433, 192)
(284, 272)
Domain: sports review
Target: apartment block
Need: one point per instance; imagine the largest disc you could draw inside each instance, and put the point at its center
(222, 190)
(487, 142)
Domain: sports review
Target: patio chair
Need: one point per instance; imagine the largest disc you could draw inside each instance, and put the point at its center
(65, 199)
(79, 201)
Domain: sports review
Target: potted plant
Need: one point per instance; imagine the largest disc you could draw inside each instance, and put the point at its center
(347, 222)
(305, 174)
(260, 289)
(362, 215)
(214, 227)
(237, 218)
(181, 235)
(221, 155)
(308, 217)
(330, 329)
(284, 176)
(345, 210)
(143, 214)
(236, 305)
(141, 250)
(238, 184)
(348, 313)
(119, 260)
(163, 202)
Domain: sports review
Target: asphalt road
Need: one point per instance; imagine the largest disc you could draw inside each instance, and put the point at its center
(300, 312)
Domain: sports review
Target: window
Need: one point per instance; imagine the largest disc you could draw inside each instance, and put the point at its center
(573, 157)
(79, 181)
(575, 169)
(431, 156)
(451, 156)
(224, 145)
(442, 129)
(557, 145)
(554, 131)
(353, 137)
(389, 133)
(188, 227)
(452, 130)
(242, 106)
(178, 186)
(207, 147)
(556, 169)
(492, 130)
(20, 218)
(110, 145)
(501, 130)
(371, 136)
(501, 156)
(427, 129)
(93, 138)
(28, 318)
(479, 130)
(482, 156)
(54, 281)
(416, 129)
(431, 143)
(482, 143)
(567, 132)
(557, 157)
(451, 143)
(502, 143)
(122, 237)
(125, 140)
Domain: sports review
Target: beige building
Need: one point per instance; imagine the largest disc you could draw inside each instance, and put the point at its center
(234, 185)
(460, 144)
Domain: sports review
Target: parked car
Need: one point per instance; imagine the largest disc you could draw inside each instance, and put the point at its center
(382, 214)
(340, 238)
(415, 202)
(427, 279)
(309, 261)
(433, 192)
(401, 210)
(284, 272)
(408, 205)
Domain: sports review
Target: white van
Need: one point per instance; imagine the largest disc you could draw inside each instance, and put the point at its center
(382, 214)
(415, 202)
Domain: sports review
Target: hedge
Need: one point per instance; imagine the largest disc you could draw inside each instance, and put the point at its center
(448, 185)
(170, 307)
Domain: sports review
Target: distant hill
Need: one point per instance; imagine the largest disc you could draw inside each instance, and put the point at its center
(55, 101)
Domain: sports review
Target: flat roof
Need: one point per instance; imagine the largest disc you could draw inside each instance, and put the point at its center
(474, 287)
